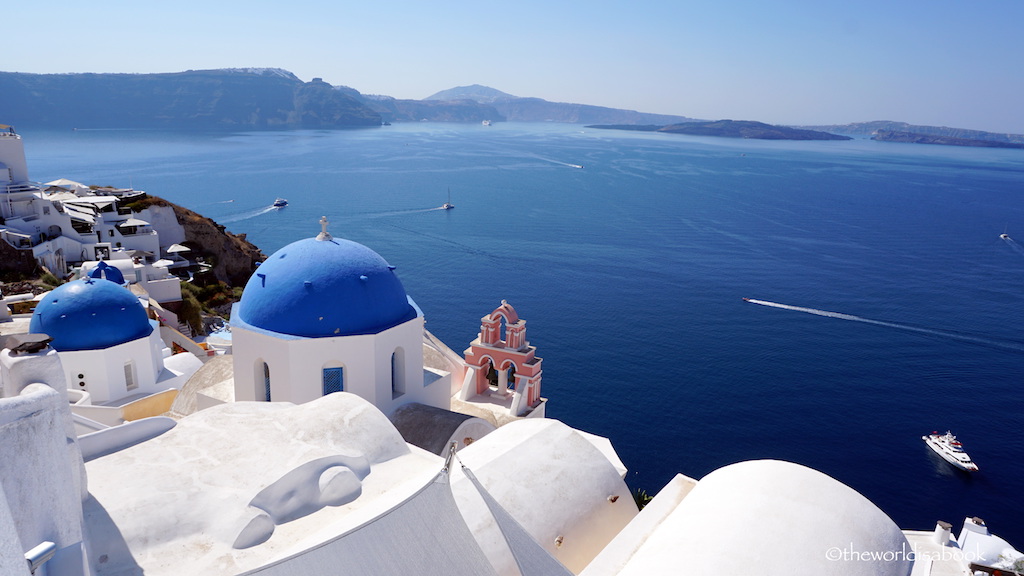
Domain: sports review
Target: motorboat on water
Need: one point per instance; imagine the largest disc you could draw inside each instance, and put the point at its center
(280, 203)
(951, 450)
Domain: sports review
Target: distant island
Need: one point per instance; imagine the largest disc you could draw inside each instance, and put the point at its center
(915, 138)
(518, 109)
(889, 131)
(732, 129)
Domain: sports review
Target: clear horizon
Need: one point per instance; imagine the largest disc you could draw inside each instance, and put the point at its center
(945, 63)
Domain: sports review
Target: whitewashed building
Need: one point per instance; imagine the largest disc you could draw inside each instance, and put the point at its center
(64, 223)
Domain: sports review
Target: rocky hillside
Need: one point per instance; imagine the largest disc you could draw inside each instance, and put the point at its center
(235, 99)
(232, 256)
(16, 264)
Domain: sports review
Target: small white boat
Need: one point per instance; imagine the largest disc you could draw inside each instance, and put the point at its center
(486, 122)
(448, 205)
(951, 450)
(280, 203)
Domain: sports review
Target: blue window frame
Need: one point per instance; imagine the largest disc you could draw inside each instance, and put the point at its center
(334, 380)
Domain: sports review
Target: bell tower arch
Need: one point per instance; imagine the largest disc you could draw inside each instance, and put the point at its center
(502, 345)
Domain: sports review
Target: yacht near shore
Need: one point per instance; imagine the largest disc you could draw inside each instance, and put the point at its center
(951, 450)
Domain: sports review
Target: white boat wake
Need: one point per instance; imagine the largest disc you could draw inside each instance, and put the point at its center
(246, 215)
(930, 331)
(1012, 244)
(559, 162)
(401, 212)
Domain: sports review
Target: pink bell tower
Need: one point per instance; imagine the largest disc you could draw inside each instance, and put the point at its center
(490, 350)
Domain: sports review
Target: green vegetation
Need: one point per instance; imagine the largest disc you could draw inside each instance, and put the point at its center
(50, 280)
(145, 202)
(191, 310)
(641, 497)
(212, 295)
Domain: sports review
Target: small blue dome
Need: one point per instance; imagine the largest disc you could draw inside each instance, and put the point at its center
(107, 272)
(332, 287)
(90, 314)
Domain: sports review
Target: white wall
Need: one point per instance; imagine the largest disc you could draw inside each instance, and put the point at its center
(103, 370)
(296, 366)
(12, 153)
(42, 476)
(164, 223)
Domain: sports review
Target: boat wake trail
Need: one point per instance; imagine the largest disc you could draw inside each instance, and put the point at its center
(559, 162)
(1013, 244)
(401, 212)
(898, 326)
(246, 215)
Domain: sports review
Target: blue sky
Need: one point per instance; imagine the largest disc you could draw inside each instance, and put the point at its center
(941, 62)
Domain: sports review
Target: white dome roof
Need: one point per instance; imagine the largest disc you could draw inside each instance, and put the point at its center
(770, 517)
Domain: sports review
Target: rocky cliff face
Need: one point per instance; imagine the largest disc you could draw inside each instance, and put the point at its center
(16, 263)
(232, 256)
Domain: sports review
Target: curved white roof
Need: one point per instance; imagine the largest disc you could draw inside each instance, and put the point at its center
(178, 504)
(554, 482)
(772, 517)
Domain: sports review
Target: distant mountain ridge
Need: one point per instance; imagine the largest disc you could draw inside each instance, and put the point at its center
(273, 98)
(235, 99)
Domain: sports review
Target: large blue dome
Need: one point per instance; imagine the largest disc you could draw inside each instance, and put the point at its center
(332, 287)
(90, 314)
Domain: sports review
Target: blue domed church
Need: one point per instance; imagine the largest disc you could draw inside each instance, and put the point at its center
(105, 340)
(325, 315)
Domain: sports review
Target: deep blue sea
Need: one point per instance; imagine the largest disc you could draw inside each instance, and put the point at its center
(631, 270)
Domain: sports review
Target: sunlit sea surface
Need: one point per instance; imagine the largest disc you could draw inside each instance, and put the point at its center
(629, 255)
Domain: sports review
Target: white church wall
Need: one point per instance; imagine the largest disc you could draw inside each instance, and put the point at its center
(310, 356)
(250, 348)
(297, 366)
(103, 372)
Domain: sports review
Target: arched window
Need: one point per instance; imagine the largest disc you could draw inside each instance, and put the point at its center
(491, 375)
(334, 380)
(511, 377)
(397, 372)
(266, 382)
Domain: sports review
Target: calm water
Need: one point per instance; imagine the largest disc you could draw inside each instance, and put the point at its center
(631, 272)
